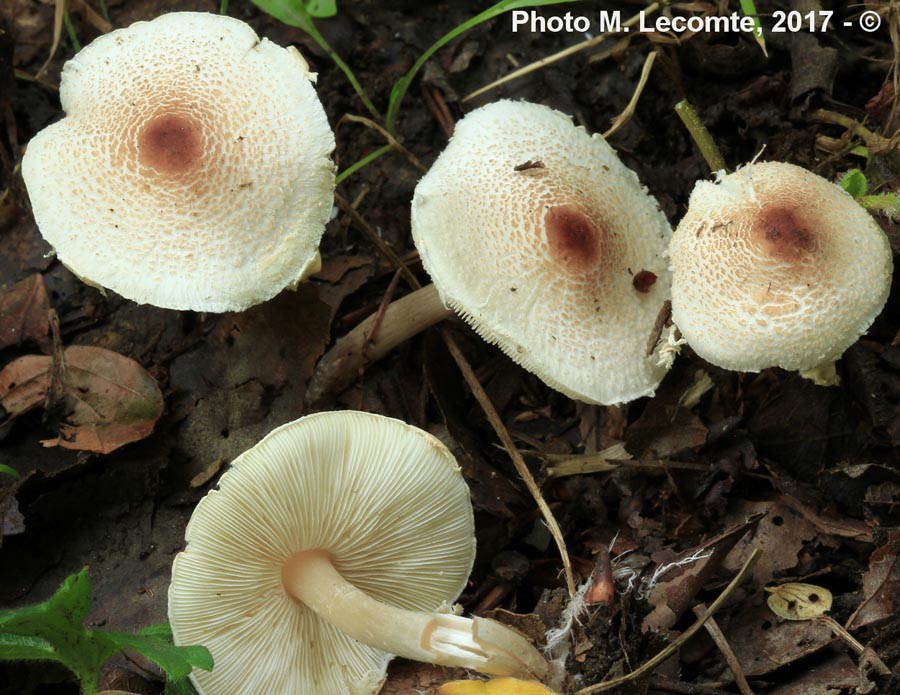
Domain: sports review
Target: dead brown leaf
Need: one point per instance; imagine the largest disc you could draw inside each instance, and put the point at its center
(11, 520)
(23, 314)
(881, 585)
(105, 400)
(679, 578)
(23, 386)
(781, 535)
(762, 643)
(665, 430)
(838, 674)
(115, 401)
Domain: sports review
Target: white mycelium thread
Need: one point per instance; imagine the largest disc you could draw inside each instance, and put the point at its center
(192, 168)
(384, 499)
(775, 266)
(534, 232)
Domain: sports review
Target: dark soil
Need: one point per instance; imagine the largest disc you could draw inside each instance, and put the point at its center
(821, 463)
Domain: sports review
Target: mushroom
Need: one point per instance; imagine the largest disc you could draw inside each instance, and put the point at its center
(335, 542)
(547, 245)
(775, 266)
(192, 169)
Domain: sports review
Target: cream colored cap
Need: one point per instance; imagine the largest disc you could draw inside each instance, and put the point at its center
(192, 168)
(385, 499)
(775, 266)
(547, 245)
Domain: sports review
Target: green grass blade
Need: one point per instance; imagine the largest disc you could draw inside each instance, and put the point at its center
(356, 166)
(321, 8)
(295, 13)
(748, 7)
(10, 471)
(398, 92)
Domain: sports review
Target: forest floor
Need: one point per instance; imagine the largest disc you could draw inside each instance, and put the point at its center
(721, 462)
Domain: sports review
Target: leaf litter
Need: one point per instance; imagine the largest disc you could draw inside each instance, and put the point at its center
(722, 448)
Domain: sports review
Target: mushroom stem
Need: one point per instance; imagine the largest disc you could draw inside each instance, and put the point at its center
(402, 320)
(437, 638)
(824, 374)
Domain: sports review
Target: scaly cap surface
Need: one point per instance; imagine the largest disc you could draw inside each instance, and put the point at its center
(192, 168)
(538, 235)
(775, 266)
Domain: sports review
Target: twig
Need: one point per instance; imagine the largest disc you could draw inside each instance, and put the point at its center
(712, 627)
(59, 14)
(874, 660)
(494, 418)
(666, 685)
(376, 239)
(681, 639)
(382, 308)
(565, 53)
(392, 141)
(628, 111)
(832, 117)
(438, 107)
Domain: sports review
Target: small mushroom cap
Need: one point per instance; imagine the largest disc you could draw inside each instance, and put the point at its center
(538, 235)
(775, 266)
(385, 499)
(192, 168)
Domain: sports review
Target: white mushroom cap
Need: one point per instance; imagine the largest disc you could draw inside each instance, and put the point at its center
(554, 262)
(192, 168)
(384, 499)
(775, 266)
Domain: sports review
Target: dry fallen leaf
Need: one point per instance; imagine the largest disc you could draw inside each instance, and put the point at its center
(881, 584)
(796, 601)
(23, 314)
(494, 686)
(103, 399)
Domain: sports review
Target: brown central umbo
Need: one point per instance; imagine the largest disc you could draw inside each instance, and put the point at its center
(573, 237)
(784, 234)
(170, 143)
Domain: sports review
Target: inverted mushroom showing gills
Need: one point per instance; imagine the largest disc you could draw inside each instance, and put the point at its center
(775, 266)
(337, 541)
(192, 169)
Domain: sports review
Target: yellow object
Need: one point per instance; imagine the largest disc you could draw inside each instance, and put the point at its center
(796, 601)
(495, 686)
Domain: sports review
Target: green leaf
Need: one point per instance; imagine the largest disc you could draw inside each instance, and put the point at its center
(68, 605)
(180, 686)
(23, 648)
(297, 13)
(10, 471)
(54, 631)
(402, 85)
(290, 12)
(58, 622)
(854, 182)
(748, 7)
(321, 8)
(155, 643)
